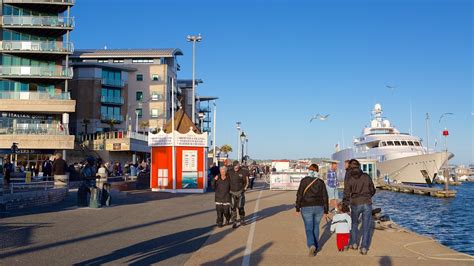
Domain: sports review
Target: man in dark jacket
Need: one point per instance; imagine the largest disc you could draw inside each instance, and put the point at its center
(59, 171)
(220, 183)
(312, 202)
(358, 192)
(239, 180)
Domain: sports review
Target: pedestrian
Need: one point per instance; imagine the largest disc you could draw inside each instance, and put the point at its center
(220, 183)
(59, 170)
(341, 224)
(7, 171)
(47, 167)
(358, 192)
(331, 187)
(252, 176)
(214, 170)
(239, 180)
(312, 203)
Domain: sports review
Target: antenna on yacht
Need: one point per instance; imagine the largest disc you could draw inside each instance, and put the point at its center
(411, 118)
(427, 119)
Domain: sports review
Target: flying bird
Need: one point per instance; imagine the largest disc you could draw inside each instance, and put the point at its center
(319, 117)
(443, 115)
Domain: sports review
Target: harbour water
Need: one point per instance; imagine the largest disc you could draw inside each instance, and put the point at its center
(450, 221)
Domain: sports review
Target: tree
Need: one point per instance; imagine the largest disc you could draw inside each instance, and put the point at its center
(144, 124)
(226, 148)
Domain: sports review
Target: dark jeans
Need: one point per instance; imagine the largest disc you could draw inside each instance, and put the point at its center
(237, 203)
(222, 211)
(251, 181)
(367, 223)
(312, 218)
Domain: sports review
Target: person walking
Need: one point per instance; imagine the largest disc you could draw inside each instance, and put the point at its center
(312, 203)
(239, 180)
(358, 192)
(47, 167)
(221, 185)
(8, 169)
(59, 171)
(331, 186)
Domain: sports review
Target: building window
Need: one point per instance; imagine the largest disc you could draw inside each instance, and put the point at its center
(154, 113)
(102, 61)
(156, 96)
(155, 77)
(118, 60)
(139, 96)
(139, 111)
(142, 60)
(139, 77)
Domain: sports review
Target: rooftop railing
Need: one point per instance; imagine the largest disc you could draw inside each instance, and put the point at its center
(117, 118)
(34, 95)
(115, 135)
(36, 71)
(37, 46)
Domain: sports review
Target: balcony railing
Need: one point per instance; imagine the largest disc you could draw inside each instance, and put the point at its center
(40, 1)
(38, 21)
(34, 95)
(37, 46)
(115, 135)
(111, 100)
(34, 129)
(113, 82)
(205, 109)
(36, 71)
(107, 117)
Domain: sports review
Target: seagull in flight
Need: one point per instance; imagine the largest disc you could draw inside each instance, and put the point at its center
(391, 88)
(320, 117)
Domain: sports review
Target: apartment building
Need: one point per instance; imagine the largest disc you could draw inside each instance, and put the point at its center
(150, 75)
(34, 99)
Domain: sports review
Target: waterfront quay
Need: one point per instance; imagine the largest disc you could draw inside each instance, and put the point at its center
(144, 228)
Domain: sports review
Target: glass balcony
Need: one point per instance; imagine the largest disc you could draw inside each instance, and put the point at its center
(205, 109)
(34, 95)
(36, 72)
(33, 129)
(71, 2)
(37, 46)
(113, 82)
(38, 21)
(111, 100)
(109, 117)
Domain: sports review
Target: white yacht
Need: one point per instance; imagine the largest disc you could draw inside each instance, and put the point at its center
(400, 157)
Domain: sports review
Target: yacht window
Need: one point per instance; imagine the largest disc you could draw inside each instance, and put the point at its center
(397, 143)
(411, 143)
(404, 143)
(417, 143)
(383, 144)
(390, 143)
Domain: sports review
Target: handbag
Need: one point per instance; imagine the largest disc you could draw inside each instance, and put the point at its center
(307, 187)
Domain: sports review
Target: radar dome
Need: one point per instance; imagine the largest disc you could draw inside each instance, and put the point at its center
(386, 123)
(378, 108)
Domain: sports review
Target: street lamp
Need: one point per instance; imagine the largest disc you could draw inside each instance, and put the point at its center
(242, 140)
(238, 140)
(194, 39)
(137, 112)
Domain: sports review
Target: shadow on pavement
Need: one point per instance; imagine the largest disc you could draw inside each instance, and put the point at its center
(385, 261)
(255, 257)
(325, 236)
(14, 235)
(268, 212)
(161, 248)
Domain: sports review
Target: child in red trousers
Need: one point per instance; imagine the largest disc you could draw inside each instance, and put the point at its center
(341, 224)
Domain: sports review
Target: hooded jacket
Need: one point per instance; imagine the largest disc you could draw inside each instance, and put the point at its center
(316, 195)
(222, 188)
(358, 187)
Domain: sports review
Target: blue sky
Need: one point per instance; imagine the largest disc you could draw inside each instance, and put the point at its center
(274, 64)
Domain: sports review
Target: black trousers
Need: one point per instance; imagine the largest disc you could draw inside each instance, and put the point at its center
(222, 211)
(237, 203)
(252, 180)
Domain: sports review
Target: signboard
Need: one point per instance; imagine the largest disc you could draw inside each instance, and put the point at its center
(189, 139)
(286, 181)
(26, 151)
(117, 146)
(190, 161)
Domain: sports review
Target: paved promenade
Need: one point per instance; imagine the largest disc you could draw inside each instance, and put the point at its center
(152, 228)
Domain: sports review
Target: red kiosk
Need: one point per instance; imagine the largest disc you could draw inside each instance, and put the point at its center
(178, 157)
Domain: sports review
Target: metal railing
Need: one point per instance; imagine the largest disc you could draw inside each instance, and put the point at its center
(111, 99)
(39, 1)
(115, 135)
(42, 185)
(34, 95)
(205, 109)
(113, 82)
(118, 118)
(37, 46)
(38, 21)
(36, 71)
(34, 129)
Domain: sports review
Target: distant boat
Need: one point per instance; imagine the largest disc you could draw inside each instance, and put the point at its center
(400, 157)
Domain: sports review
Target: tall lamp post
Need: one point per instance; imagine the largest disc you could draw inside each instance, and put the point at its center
(238, 140)
(246, 146)
(194, 39)
(242, 140)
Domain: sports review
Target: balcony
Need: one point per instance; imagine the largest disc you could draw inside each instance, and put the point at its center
(33, 129)
(113, 82)
(111, 100)
(36, 72)
(49, 6)
(111, 118)
(205, 109)
(33, 101)
(39, 25)
(37, 48)
(34, 95)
